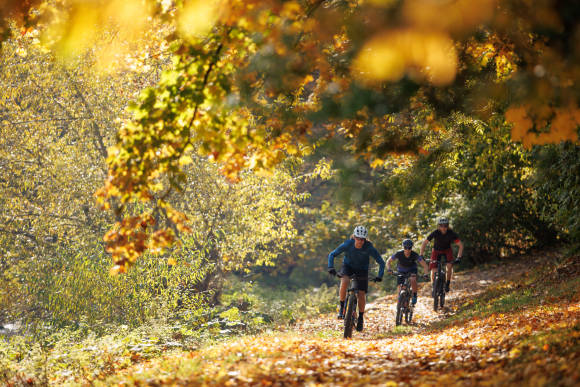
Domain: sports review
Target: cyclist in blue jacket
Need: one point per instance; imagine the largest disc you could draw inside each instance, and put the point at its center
(357, 252)
(407, 263)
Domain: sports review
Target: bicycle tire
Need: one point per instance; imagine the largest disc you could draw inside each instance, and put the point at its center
(399, 315)
(434, 286)
(442, 300)
(349, 315)
(435, 293)
(409, 316)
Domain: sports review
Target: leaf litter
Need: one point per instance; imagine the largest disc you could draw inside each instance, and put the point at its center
(478, 339)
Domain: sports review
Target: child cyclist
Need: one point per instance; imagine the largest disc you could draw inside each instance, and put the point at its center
(407, 263)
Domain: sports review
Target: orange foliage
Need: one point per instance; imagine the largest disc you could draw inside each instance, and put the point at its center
(249, 75)
(557, 124)
(532, 344)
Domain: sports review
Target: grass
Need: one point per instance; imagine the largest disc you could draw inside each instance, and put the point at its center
(400, 330)
(543, 351)
(529, 290)
(66, 355)
(328, 334)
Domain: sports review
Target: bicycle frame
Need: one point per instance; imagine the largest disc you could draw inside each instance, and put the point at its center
(404, 306)
(351, 304)
(439, 281)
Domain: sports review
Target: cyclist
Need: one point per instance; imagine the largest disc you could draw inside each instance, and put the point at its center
(357, 252)
(443, 236)
(407, 263)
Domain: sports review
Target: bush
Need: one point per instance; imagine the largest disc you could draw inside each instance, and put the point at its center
(72, 355)
(259, 304)
(558, 188)
(67, 288)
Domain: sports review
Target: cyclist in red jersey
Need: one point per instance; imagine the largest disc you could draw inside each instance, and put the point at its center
(443, 236)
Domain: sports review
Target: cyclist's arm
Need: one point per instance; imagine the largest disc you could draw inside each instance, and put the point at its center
(391, 259)
(335, 253)
(375, 254)
(424, 265)
(423, 247)
(460, 252)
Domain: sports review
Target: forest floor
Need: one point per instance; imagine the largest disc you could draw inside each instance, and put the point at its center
(512, 323)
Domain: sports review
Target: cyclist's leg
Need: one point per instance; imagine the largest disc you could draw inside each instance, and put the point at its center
(449, 265)
(414, 283)
(362, 300)
(345, 272)
(449, 272)
(344, 281)
(363, 288)
(433, 264)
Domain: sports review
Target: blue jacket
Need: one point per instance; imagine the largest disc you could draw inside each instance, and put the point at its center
(357, 259)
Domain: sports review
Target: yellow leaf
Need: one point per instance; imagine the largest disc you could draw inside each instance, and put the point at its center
(391, 54)
(377, 163)
(185, 160)
(515, 352)
(197, 17)
(117, 269)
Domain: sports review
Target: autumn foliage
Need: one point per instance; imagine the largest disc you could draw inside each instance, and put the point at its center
(520, 329)
(255, 81)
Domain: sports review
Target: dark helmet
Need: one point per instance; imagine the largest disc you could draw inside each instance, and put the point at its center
(443, 220)
(407, 244)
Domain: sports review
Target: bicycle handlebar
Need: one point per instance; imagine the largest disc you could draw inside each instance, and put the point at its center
(455, 261)
(397, 273)
(408, 274)
(353, 277)
(359, 278)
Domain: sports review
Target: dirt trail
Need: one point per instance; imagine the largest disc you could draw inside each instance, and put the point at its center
(380, 314)
(515, 347)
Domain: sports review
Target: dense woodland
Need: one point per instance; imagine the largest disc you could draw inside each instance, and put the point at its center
(174, 174)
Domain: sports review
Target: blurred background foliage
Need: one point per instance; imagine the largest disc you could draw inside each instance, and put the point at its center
(234, 144)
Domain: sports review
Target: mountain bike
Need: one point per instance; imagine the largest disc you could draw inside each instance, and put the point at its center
(404, 305)
(350, 316)
(439, 282)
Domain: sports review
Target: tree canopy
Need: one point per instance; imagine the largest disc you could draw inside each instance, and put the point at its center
(253, 82)
(222, 148)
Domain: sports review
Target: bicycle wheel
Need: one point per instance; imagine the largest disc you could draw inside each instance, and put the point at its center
(436, 293)
(442, 299)
(349, 315)
(409, 315)
(400, 303)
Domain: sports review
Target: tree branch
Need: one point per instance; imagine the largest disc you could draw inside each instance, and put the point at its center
(19, 232)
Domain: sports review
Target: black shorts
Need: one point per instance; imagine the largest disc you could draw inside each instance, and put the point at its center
(401, 279)
(348, 271)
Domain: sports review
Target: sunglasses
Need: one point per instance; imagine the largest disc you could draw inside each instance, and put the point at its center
(444, 225)
(359, 239)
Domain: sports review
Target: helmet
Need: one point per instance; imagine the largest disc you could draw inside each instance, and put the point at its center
(443, 220)
(360, 232)
(407, 244)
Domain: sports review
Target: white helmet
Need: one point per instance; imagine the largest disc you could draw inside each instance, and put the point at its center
(360, 232)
